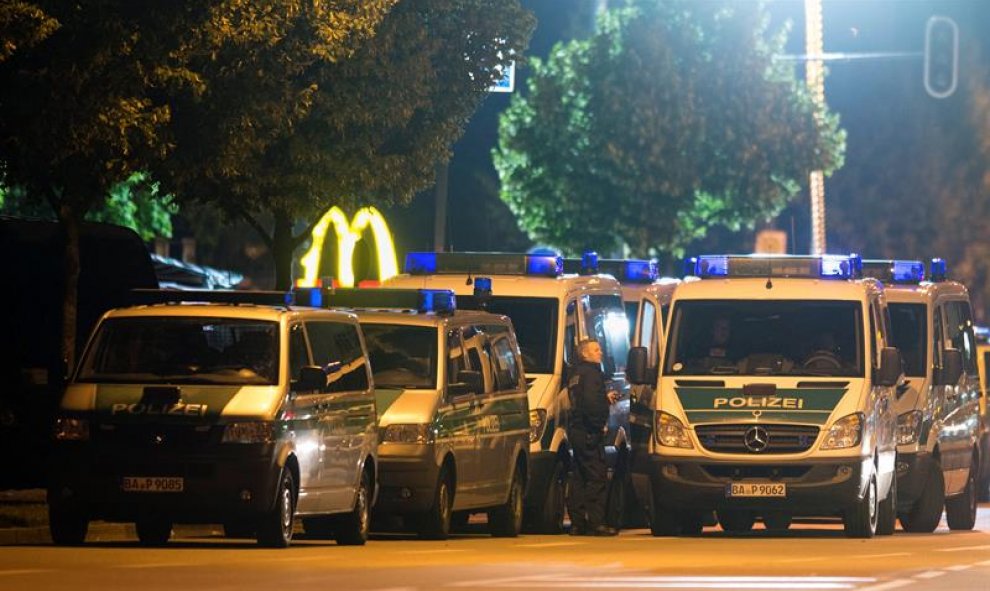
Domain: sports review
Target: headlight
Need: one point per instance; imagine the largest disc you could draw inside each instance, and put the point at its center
(253, 432)
(844, 433)
(671, 432)
(408, 434)
(908, 427)
(537, 424)
(71, 429)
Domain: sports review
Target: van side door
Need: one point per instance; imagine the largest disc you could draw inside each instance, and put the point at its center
(303, 422)
(961, 401)
(648, 333)
(346, 408)
(508, 408)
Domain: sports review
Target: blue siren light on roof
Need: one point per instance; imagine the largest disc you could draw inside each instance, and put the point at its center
(589, 263)
(810, 267)
(421, 263)
(907, 272)
(641, 271)
(937, 270)
(482, 286)
(441, 301)
(550, 266)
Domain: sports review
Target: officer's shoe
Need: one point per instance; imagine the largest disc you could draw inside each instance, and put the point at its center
(604, 531)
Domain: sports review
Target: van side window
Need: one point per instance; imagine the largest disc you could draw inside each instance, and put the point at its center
(571, 334)
(648, 332)
(298, 352)
(607, 324)
(937, 342)
(504, 358)
(337, 348)
(456, 360)
(875, 336)
(477, 357)
(959, 330)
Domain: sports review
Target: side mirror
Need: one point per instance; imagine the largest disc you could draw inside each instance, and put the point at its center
(636, 366)
(890, 367)
(468, 382)
(952, 368)
(311, 378)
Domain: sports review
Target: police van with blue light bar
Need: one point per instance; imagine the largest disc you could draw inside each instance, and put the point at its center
(941, 444)
(551, 311)
(238, 408)
(775, 398)
(453, 411)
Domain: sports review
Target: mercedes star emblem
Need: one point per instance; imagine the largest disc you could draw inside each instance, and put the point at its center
(756, 439)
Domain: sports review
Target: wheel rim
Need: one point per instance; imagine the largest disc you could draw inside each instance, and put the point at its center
(363, 517)
(873, 503)
(286, 511)
(973, 496)
(517, 507)
(444, 499)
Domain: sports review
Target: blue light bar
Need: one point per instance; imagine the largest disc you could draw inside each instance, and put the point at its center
(482, 263)
(895, 271)
(589, 263)
(810, 267)
(630, 270)
(690, 266)
(482, 287)
(440, 301)
(308, 296)
(937, 270)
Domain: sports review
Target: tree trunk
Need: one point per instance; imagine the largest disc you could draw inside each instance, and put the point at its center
(283, 247)
(69, 219)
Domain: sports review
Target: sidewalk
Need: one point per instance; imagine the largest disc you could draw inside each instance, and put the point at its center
(24, 521)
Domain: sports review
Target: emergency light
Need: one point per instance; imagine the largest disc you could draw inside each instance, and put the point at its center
(482, 287)
(589, 263)
(440, 301)
(799, 266)
(625, 270)
(209, 296)
(484, 263)
(937, 271)
(895, 271)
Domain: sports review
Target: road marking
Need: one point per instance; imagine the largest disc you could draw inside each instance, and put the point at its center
(895, 584)
(561, 581)
(964, 548)
(157, 565)
(549, 545)
(890, 555)
(23, 571)
(984, 563)
(440, 551)
(959, 567)
(929, 574)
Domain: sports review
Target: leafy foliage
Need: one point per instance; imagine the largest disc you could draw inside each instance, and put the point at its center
(673, 118)
(287, 129)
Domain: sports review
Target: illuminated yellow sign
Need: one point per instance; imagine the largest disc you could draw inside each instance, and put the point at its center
(348, 235)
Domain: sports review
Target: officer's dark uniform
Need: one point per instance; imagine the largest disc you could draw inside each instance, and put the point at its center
(589, 415)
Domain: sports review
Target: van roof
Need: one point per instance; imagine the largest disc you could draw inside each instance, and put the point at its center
(412, 318)
(238, 311)
(512, 285)
(782, 289)
(925, 291)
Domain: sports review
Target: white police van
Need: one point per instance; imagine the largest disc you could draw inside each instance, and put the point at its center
(453, 410)
(244, 411)
(938, 403)
(774, 399)
(551, 313)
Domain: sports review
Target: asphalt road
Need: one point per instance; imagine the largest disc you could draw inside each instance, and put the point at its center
(810, 556)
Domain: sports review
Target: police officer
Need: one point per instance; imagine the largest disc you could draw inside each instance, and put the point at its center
(586, 432)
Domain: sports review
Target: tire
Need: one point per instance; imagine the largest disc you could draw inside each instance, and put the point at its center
(736, 521)
(67, 524)
(984, 483)
(153, 531)
(887, 520)
(275, 525)
(960, 510)
(692, 523)
(777, 521)
(860, 520)
(352, 529)
(927, 511)
(238, 529)
(506, 521)
(549, 519)
(664, 521)
(435, 524)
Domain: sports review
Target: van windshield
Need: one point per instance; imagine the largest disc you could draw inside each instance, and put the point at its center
(908, 323)
(402, 356)
(183, 350)
(535, 323)
(771, 337)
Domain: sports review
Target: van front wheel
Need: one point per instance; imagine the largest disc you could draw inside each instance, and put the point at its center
(275, 526)
(67, 523)
(860, 520)
(506, 521)
(960, 510)
(353, 527)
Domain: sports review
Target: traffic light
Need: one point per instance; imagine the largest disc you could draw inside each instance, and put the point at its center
(941, 56)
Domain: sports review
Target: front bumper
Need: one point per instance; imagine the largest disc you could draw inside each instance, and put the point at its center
(228, 482)
(814, 487)
(408, 475)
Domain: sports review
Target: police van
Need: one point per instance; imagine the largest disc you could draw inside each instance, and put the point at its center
(218, 407)
(775, 398)
(453, 411)
(551, 312)
(938, 414)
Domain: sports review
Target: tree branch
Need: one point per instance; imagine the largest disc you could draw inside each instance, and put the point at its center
(265, 237)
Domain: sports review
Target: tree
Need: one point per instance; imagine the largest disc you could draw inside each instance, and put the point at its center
(284, 132)
(134, 202)
(672, 118)
(83, 88)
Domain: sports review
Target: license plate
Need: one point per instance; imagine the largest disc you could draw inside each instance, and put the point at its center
(164, 484)
(756, 489)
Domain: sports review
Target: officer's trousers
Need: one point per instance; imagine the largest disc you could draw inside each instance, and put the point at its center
(587, 495)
